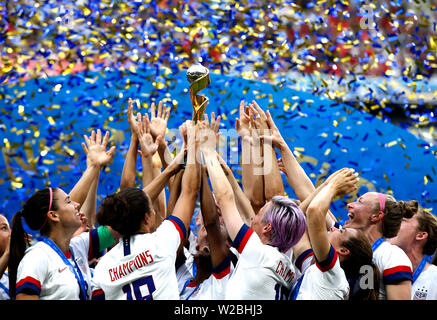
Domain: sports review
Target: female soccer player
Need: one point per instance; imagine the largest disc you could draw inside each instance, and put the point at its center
(377, 215)
(339, 254)
(263, 270)
(57, 266)
(418, 238)
(142, 265)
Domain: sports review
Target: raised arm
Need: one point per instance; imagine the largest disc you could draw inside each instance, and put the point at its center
(224, 195)
(251, 159)
(304, 243)
(296, 176)
(158, 126)
(218, 247)
(129, 172)
(150, 172)
(89, 207)
(342, 183)
(243, 204)
(186, 202)
(97, 157)
(154, 188)
(272, 174)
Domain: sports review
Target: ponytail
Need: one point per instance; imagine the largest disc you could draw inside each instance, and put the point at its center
(18, 245)
(34, 213)
(408, 208)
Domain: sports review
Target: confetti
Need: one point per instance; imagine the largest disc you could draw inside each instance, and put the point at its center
(67, 68)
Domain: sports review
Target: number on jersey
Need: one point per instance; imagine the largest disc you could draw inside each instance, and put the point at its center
(140, 287)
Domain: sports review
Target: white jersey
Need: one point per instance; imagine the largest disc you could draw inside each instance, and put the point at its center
(425, 286)
(304, 261)
(42, 271)
(185, 269)
(262, 272)
(393, 263)
(213, 288)
(4, 287)
(141, 267)
(324, 280)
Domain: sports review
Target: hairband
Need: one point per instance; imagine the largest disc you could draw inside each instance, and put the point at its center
(50, 208)
(382, 198)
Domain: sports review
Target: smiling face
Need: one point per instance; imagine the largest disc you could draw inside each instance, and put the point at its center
(67, 210)
(359, 212)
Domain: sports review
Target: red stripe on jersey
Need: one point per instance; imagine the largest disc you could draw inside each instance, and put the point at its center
(191, 284)
(223, 273)
(29, 279)
(389, 271)
(329, 262)
(97, 292)
(244, 240)
(181, 234)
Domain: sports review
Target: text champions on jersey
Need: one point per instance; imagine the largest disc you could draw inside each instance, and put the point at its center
(284, 272)
(140, 260)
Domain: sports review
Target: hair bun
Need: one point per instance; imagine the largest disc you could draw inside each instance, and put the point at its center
(408, 208)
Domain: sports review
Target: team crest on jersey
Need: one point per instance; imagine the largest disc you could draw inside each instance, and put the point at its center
(420, 294)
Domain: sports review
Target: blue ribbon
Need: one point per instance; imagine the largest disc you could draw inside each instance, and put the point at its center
(419, 268)
(5, 289)
(78, 274)
(377, 243)
(295, 292)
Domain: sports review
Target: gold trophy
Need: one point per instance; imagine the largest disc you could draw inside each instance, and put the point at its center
(198, 76)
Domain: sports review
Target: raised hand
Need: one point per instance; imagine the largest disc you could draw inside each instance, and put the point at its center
(209, 132)
(148, 146)
(158, 121)
(260, 118)
(183, 131)
(131, 119)
(275, 137)
(95, 149)
(243, 122)
(344, 181)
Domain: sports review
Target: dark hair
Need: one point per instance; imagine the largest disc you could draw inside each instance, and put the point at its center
(361, 254)
(34, 213)
(124, 211)
(427, 222)
(394, 212)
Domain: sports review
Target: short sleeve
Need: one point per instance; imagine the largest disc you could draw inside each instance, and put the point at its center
(170, 234)
(397, 266)
(32, 272)
(242, 238)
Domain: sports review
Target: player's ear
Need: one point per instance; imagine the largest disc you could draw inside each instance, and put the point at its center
(343, 251)
(267, 227)
(52, 215)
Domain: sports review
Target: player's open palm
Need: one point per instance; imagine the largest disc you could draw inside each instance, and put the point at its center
(95, 148)
(158, 119)
(148, 145)
(242, 124)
